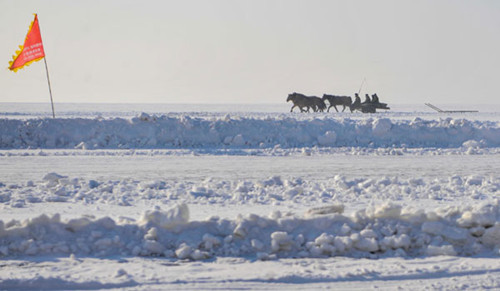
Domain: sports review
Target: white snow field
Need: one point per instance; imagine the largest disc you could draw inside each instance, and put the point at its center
(146, 197)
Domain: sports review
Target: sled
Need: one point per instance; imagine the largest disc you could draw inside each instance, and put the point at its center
(449, 111)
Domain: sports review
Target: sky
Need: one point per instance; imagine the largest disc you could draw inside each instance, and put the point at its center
(233, 51)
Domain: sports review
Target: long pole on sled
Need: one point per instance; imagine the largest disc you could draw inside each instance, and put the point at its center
(360, 87)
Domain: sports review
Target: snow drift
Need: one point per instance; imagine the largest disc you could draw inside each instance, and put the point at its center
(55, 188)
(379, 231)
(147, 131)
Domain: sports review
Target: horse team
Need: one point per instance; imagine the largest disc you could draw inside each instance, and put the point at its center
(305, 103)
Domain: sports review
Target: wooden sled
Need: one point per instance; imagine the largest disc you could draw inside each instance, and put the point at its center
(449, 111)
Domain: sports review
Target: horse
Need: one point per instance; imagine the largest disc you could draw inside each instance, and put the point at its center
(301, 101)
(319, 104)
(345, 101)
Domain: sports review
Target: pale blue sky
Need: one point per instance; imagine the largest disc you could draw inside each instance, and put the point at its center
(231, 51)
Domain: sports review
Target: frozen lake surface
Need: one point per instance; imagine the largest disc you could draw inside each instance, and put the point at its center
(195, 168)
(228, 197)
(91, 110)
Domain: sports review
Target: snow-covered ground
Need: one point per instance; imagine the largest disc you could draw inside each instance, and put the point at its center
(231, 197)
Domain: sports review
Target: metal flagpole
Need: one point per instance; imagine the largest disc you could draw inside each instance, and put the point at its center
(48, 82)
(50, 90)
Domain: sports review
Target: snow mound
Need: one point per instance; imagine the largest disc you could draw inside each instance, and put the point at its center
(59, 188)
(380, 231)
(184, 132)
(167, 219)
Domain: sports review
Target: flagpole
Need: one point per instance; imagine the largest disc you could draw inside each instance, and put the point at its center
(50, 90)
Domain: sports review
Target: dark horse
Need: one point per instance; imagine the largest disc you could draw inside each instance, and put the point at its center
(345, 101)
(319, 104)
(302, 101)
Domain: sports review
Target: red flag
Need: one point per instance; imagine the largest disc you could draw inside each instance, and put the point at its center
(31, 51)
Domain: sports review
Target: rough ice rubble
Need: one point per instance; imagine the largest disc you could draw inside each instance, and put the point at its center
(467, 148)
(379, 231)
(383, 230)
(59, 188)
(185, 132)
